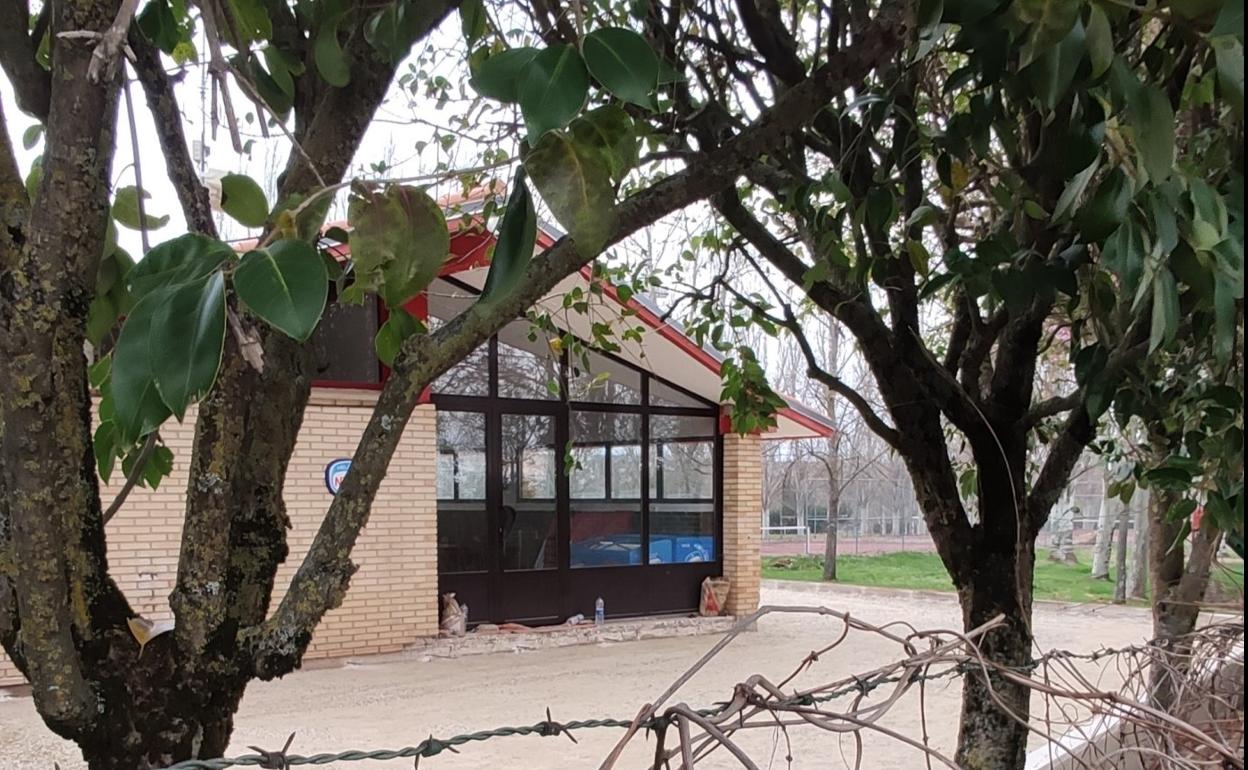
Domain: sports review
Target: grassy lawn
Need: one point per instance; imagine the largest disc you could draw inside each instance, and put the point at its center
(1060, 582)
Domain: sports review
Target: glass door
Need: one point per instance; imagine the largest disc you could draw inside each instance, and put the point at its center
(526, 585)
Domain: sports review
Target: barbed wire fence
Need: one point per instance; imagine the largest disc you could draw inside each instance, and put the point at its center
(1082, 723)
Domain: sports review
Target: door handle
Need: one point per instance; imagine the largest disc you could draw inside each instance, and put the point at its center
(509, 521)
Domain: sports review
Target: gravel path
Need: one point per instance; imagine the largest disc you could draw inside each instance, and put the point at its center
(390, 705)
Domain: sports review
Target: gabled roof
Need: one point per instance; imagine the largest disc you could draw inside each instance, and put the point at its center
(663, 349)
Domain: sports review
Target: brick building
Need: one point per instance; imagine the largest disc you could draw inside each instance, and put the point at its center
(530, 482)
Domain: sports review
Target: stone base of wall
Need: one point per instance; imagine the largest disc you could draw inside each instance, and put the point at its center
(548, 637)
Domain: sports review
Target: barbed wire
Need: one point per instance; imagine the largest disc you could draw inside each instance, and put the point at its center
(431, 746)
(949, 655)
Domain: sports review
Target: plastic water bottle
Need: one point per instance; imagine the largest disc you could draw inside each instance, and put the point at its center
(600, 612)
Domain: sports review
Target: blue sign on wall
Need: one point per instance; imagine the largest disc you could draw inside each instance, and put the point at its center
(335, 472)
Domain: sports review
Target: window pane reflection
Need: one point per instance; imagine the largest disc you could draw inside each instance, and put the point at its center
(469, 377)
(682, 457)
(605, 487)
(528, 511)
(463, 523)
(527, 368)
(602, 380)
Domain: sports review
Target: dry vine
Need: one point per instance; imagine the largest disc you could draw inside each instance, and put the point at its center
(1084, 724)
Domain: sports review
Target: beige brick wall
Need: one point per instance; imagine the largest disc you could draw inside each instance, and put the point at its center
(743, 505)
(393, 596)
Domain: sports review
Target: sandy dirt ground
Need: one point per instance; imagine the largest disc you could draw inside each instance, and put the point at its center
(394, 704)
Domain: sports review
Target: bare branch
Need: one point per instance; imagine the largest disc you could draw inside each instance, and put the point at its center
(167, 118)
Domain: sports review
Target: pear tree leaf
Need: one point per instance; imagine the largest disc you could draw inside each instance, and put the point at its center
(286, 285)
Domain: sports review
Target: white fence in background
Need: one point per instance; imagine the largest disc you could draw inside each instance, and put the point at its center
(800, 532)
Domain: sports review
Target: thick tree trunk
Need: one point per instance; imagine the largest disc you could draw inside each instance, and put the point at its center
(993, 731)
(1179, 579)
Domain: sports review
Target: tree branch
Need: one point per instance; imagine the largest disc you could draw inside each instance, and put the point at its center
(167, 118)
(107, 53)
(32, 84)
(1079, 427)
(322, 579)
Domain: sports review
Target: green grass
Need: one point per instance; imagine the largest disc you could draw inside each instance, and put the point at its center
(1059, 582)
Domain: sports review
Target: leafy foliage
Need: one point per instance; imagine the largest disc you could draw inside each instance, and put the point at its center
(285, 284)
(243, 200)
(399, 242)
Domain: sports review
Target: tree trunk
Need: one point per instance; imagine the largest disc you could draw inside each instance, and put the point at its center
(1104, 537)
(1179, 583)
(830, 543)
(990, 737)
(1137, 571)
(833, 460)
(1120, 567)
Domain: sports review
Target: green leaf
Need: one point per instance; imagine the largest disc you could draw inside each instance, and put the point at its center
(398, 327)
(1224, 317)
(32, 135)
(399, 242)
(624, 63)
(516, 236)
(1153, 121)
(1229, 60)
(1230, 20)
(1101, 215)
(330, 59)
(920, 258)
(611, 130)
(101, 318)
(159, 466)
(575, 181)
(98, 372)
(34, 177)
(881, 208)
(251, 20)
(282, 69)
(181, 260)
(1053, 72)
(158, 25)
(472, 20)
(104, 447)
(185, 342)
(498, 77)
(271, 91)
(286, 285)
(243, 200)
(553, 89)
(1049, 21)
(929, 15)
(1100, 41)
(1073, 192)
(126, 210)
(137, 406)
(1014, 287)
(1123, 254)
(1165, 319)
